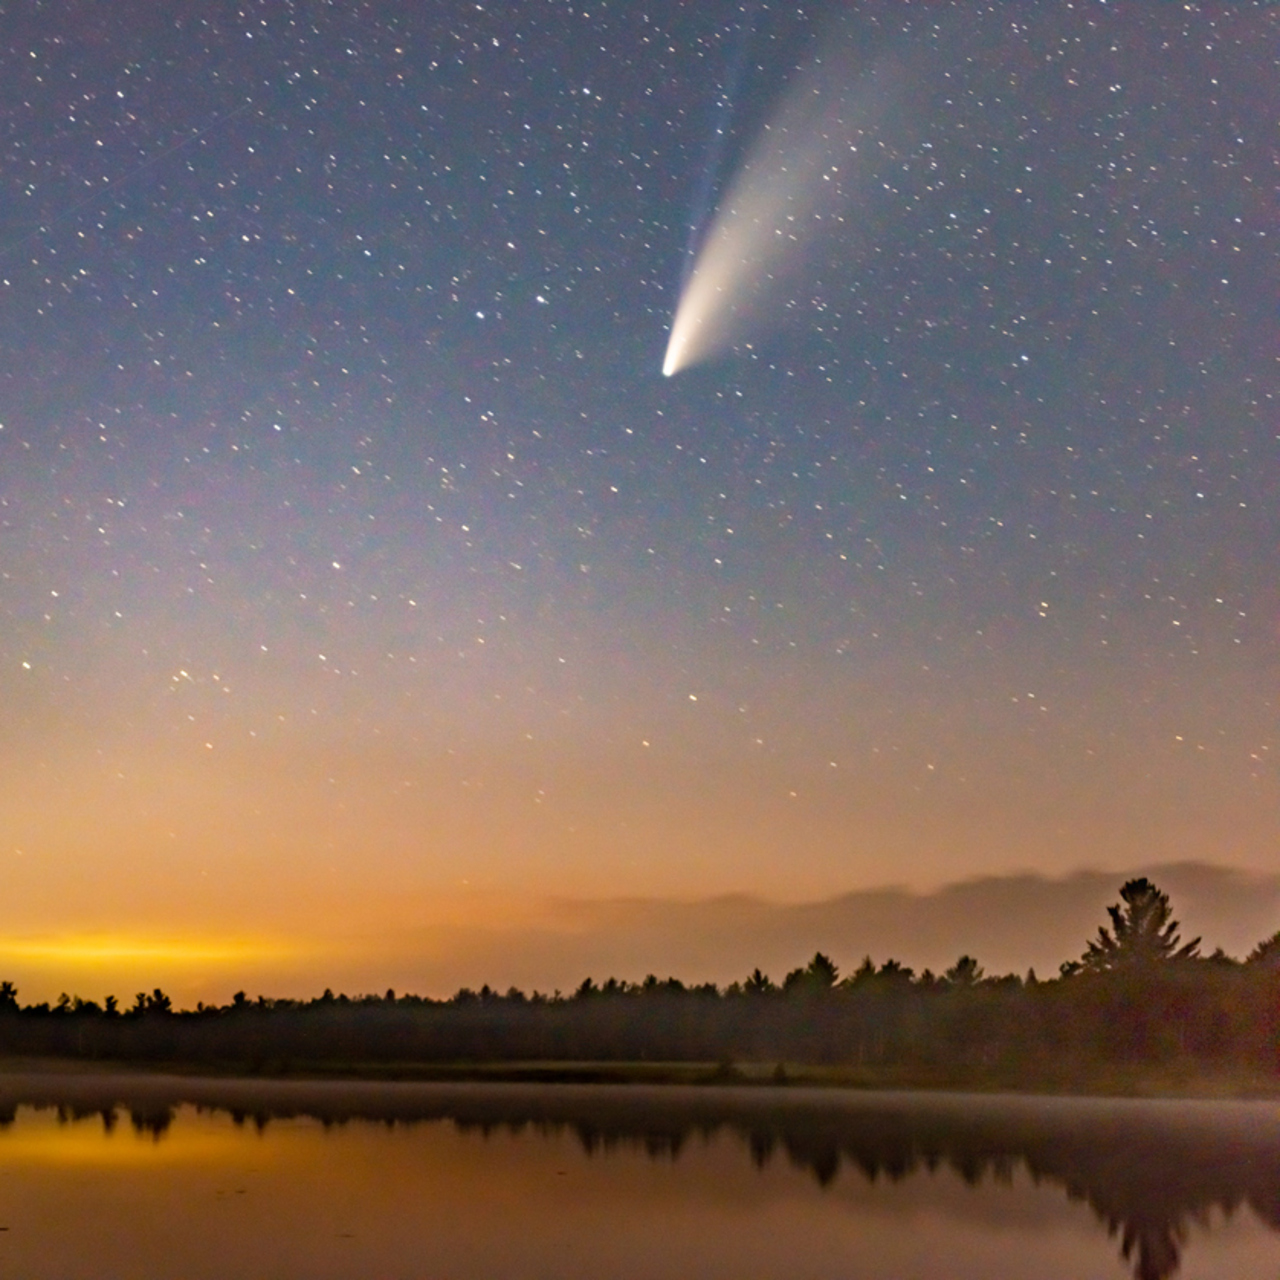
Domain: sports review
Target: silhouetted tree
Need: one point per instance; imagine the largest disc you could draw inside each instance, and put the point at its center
(818, 975)
(1142, 932)
(895, 972)
(822, 971)
(862, 975)
(1265, 955)
(966, 972)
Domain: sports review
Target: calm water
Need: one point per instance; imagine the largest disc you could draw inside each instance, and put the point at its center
(160, 1177)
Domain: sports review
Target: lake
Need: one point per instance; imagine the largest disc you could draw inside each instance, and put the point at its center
(161, 1176)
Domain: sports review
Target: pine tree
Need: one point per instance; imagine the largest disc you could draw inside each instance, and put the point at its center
(1267, 953)
(1142, 932)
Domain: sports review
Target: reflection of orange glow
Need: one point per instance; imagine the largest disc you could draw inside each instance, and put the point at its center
(210, 1200)
(43, 1140)
(93, 949)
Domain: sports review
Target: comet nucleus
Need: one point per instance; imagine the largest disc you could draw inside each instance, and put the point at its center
(794, 184)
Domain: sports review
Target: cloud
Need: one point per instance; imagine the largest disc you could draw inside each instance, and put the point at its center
(1011, 923)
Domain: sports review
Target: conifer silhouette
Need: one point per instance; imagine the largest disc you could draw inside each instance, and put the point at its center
(1142, 932)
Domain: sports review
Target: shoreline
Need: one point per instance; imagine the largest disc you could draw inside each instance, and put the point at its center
(1173, 1084)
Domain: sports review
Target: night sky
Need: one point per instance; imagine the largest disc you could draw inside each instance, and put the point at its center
(359, 568)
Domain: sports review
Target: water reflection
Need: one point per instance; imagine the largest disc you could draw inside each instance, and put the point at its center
(1147, 1170)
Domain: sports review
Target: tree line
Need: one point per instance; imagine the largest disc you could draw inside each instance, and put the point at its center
(1137, 997)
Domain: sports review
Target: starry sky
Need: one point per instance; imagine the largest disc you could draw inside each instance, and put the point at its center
(360, 570)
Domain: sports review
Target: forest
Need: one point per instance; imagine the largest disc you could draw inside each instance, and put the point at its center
(1137, 1000)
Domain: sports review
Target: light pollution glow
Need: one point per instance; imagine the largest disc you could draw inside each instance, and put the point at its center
(801, 170)
(350, 605)
(92, 963)
(95, 949)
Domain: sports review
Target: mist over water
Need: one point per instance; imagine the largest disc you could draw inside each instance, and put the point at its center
(150, 1176)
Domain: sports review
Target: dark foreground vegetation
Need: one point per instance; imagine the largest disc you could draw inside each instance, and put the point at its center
(1138, 1010)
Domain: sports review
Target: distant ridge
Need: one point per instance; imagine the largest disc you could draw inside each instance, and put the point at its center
(1010, 923)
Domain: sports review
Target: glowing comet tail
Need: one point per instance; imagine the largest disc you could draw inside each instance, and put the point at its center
(794, 181)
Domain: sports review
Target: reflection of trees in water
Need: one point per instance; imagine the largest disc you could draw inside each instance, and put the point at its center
(1147, 1182)
(154, 1119)
(1155, 1248)
(1148, 1215)
(1146, 1170)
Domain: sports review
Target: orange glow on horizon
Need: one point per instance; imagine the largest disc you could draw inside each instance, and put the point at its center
(94, 949)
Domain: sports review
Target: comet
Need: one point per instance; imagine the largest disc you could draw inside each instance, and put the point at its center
(793, 186)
